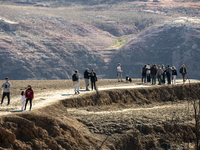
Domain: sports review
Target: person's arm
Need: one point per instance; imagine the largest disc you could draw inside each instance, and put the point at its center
(2, 85)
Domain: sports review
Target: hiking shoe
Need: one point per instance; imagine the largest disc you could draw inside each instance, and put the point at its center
(75, 92)
(122, 81)
(118, 81)
(29, 109)
(78, 92)
(87, 90)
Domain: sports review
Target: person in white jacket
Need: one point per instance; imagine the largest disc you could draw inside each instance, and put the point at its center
(22, 100)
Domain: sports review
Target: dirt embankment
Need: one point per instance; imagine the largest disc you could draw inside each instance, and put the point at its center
(53, 127)
(139, 95)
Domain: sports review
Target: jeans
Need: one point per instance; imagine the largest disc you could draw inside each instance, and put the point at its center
(76, 86)
(169, 79)
(144, 78)
(86, 83)
(8, 96)
(153, 79)
(159, 79)
(28, 99)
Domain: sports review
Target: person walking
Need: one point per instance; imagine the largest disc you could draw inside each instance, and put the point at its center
(29, 94)
(22, 100)
(144, 73)
(86, 78)
(168, 74)
(148, 73)
(183, 72)
(6, 90)
(93, 79)
(163, 74)
(174, 75)
(153, 74)
(119, 72)
(75, 79)
(159, 73)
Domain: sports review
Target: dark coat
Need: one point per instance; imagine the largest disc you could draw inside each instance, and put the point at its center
(93, 77)
(174, 72)
(153, 71)
(86, 74)
(181, 70)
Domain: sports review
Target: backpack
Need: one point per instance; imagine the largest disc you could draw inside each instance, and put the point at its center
(74, 77)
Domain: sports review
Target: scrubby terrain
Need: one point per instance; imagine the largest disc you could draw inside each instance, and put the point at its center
(119, 116)
(50, 39)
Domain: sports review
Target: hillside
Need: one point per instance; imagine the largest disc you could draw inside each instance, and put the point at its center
(175, 42)
(49, 40)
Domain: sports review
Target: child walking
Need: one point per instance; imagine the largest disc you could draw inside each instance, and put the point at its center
(22, 100)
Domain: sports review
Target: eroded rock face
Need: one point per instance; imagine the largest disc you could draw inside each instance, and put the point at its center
(36, 131)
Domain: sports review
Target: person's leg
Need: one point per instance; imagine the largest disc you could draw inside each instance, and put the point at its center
(30, 103)
(85, 83)
(152, 80)
(183, 78)
(75, 84)
(26, 104)
(118, 76)
(142, 78)
(169, 79)
(4, 94)
(78, 84)
(8, 95)
(121, 77)
(155, 79)
(145, 79)
(174, 79)
(92, 85)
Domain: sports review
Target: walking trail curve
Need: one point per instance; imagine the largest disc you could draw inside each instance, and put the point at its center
(48, 97)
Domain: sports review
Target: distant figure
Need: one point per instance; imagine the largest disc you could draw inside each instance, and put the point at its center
(93, 79)
(153, 74)
(163, 74)
(174, 74)
(29, 94)
(159, 73)
(148, 73)
(183, 72)
(6, 90)
(75, 79)
(144, 73)
(168, 73)
(22, 100)
(86, 78)
(119, 73)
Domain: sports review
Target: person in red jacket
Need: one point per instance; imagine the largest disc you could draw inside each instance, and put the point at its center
(29, 94)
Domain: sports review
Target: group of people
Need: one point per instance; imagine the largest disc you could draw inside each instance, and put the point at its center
(26, 96)
(161, 72)
(87, 76)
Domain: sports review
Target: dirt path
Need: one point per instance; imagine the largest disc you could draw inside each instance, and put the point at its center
(47, 97)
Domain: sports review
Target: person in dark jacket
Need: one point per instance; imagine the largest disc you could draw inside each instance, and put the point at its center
(144, 73)
(93, 79)
(183, 72)
(29, 94)
(174, 74)
(163, 74)
(86, 78)
(153, 74)
(168, 74)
